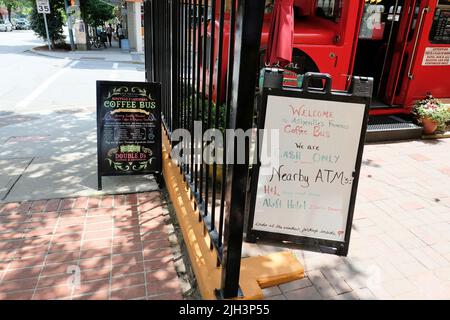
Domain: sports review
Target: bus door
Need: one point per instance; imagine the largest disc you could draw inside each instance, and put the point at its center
(421, 62)
(380, 45)
(424, 63)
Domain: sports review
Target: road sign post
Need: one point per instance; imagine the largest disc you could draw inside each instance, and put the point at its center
(46, 30)
(44, 7)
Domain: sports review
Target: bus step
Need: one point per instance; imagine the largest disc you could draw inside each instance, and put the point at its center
(391, 128)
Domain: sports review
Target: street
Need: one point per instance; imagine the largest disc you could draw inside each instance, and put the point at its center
(48, 85)
(47, 121)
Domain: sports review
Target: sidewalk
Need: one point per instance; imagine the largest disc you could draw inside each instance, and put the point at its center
(113, 54)
(47, 156)
(400, 240)
(110, 247)
(399, 247)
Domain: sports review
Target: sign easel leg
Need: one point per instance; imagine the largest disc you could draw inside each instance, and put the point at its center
(99, 182)
(160, 180)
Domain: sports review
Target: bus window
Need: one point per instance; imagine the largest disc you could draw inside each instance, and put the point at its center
(414, 21)
(268, 8)
(329, 9)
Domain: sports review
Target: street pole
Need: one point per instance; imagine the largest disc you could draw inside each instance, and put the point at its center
(46, 30)
(69, 25)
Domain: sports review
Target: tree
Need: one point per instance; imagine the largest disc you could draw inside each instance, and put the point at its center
(13, 5)
(95, 12)
(55, 21)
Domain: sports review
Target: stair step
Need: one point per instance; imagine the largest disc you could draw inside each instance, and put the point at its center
(391, 128)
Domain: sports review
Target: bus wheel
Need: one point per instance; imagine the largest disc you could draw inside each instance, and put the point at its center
(301, 64)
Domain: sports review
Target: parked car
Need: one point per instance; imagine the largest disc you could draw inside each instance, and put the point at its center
(5, 25)
(22, 25)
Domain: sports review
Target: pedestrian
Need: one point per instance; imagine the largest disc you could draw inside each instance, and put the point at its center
(109, 33)
(120, 34)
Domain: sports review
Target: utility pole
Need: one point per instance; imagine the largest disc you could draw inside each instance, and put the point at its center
(69, 25)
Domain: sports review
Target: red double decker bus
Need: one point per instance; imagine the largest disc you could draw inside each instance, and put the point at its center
(403, 44)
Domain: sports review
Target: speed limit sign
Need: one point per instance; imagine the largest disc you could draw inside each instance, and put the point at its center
(43, 6)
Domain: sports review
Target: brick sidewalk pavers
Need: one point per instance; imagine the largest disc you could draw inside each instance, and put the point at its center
(400, 241)
(399, 248)
(110, 247)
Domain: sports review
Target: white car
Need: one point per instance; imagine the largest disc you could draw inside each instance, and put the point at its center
(5, 25)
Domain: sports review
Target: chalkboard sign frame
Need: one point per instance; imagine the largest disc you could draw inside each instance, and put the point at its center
(155, 90)
(326, 94)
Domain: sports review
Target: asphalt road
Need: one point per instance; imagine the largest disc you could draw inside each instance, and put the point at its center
(31, 83)
(48, 140)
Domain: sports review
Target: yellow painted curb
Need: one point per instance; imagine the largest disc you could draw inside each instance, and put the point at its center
(267, 271)
(256, 272)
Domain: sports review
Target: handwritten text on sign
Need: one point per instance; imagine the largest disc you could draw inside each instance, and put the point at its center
(304, 188)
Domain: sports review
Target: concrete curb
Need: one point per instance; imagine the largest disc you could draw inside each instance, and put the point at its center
(442, 135)
(81, 59)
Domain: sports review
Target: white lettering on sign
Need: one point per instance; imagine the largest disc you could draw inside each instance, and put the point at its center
(307, 192)
(436, 56)
(43, 6)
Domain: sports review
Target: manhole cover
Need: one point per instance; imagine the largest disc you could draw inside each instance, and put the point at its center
(26, 139)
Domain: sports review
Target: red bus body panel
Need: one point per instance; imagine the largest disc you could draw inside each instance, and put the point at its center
(423, 77)
(332, 46)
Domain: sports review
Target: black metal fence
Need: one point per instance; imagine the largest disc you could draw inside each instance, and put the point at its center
(205, 53)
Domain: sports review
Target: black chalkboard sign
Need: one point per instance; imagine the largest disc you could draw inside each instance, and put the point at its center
(128, 129)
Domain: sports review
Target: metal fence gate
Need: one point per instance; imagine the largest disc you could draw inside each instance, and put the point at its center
(205, 53)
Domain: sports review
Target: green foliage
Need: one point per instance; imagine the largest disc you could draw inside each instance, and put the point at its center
(10, 4)
(54, 20)
(95, 12)
(25, 8)
(432, 109)
(202, 110)
(15, 5)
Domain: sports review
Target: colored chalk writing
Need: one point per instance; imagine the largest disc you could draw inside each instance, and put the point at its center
(129, 127)
(307, 188)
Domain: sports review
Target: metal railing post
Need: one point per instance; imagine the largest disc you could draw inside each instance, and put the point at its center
(174, 55)
(246, 62)
(148, 38)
